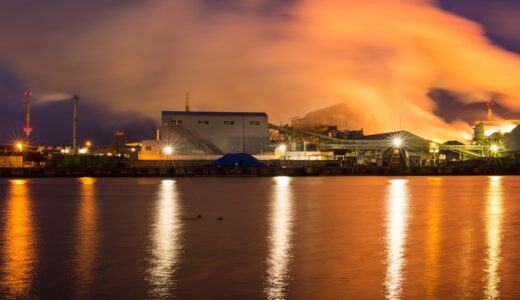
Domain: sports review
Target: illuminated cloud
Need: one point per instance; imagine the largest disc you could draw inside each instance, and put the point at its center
(380, 57)
(53, 97)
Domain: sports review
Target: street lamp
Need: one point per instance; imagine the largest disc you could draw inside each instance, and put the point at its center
(397, 142)
(281, 150)
(168, 150)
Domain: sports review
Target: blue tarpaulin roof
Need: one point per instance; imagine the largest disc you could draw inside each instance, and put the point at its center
(237, 160)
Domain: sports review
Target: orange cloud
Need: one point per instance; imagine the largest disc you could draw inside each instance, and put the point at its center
(380, 57)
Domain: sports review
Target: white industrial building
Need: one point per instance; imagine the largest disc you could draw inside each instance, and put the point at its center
(192, 132)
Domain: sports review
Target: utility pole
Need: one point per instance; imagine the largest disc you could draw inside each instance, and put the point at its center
(27, 129)
(75, 126)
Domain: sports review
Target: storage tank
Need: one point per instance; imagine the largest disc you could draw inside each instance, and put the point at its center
(478, 132)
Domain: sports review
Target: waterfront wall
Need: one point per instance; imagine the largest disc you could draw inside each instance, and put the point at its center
(274, 168)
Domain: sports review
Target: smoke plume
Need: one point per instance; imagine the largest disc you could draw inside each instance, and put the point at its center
(379, 57)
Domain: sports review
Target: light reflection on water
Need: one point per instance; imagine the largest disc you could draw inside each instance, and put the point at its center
(493, 219)
(468, 248)
(86, 236)
(425, 238)
(432, 238)
(279, 239)
(396, 232)
(19, 242)
(165, 241)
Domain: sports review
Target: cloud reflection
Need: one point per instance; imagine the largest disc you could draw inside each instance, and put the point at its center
(165, 240)
(396, 231)
(86, 236)
(18, 242)
(279, 239)
(493, 217)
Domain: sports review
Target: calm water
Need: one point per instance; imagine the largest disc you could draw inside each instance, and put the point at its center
(294, 238)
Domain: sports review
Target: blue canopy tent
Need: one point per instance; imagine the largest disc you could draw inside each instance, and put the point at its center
(237, 160)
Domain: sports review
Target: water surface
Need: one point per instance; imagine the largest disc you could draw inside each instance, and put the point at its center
(260, 238)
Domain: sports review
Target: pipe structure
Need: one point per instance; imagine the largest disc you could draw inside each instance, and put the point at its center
(27, 129)
(75, 126)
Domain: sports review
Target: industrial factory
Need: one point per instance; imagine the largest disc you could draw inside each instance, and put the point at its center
(209, 139)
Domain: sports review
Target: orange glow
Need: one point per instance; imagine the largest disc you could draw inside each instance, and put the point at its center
(19, 239)
(86, 236)
(384, 54)
(432, 241)
(493, 217)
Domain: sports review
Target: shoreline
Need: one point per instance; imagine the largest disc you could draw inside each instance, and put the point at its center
(270, 171)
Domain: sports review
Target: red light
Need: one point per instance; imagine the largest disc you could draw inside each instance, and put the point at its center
(28, 93)
(27, 129)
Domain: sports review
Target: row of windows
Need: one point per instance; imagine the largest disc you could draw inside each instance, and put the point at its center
(206, 122)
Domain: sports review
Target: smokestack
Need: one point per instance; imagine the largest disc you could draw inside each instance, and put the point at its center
(27, 128)
(75, 126)
(158, 135)
(187, 101)
(490, 109)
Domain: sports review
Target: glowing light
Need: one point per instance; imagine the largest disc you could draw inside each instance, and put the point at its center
(18, 181)
(279, 239)
(168, 150)
(489, 132)
(86, 237)
(396, 233)
(282, 148)
(83, 151)
(397, 142)
(19, 146)
(493, 217)
(507, 128)
(132, 149)
(88, 143)
(18, 243)
(433, 237)
(165, 240)
(494, 148)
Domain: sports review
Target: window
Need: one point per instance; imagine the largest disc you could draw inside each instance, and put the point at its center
(254, 123)
(176, 122)
(229, 122)
(203, 122)
(148, 148)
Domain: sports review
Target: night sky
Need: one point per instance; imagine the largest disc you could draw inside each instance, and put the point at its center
(432, 64)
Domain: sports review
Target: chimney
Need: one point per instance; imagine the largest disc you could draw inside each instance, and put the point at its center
(187, 101)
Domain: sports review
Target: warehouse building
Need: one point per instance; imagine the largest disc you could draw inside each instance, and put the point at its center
(512, 141)
(192, 132)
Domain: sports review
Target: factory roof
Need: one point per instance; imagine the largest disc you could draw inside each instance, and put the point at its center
(214, 113)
